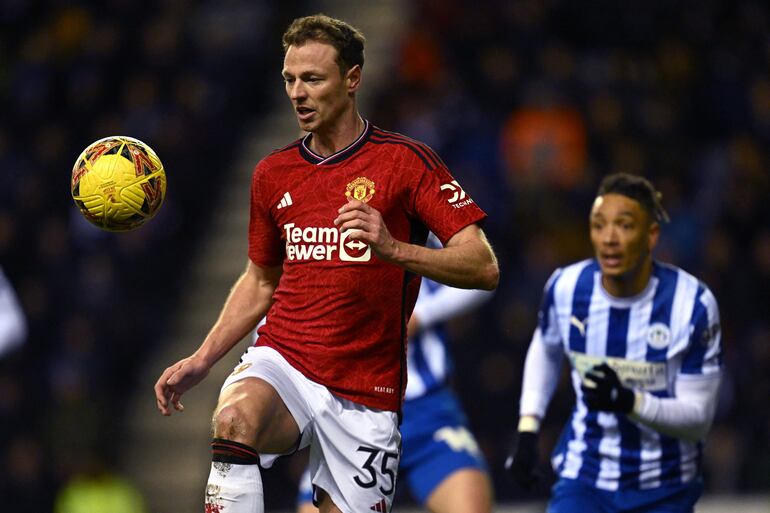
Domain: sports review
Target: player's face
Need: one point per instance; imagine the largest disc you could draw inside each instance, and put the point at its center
(320, 94)
(623, 237)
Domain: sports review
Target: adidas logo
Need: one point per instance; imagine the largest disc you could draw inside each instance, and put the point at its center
(285, 201)
(381, 506)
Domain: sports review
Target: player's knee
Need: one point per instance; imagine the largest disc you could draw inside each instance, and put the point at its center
(233, 422)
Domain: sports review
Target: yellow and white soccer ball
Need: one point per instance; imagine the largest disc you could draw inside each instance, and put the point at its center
(118, 183)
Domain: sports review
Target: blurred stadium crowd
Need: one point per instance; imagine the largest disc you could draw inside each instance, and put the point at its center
(529, 103)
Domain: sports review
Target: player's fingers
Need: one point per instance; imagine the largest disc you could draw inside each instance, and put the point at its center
(176, 374)
(354, 205)
(176, 400)
(355, 224)
(346, 217)
(174, 379)
(162, 407)
(596, 378)
(358, 234)
(161, 392)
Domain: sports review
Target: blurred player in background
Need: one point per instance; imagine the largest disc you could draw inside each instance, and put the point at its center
(643, 341)
(339, 221)
(13, 323)
(440, 461)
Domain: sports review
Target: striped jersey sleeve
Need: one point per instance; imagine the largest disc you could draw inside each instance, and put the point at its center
(704, 353)
(546, 316)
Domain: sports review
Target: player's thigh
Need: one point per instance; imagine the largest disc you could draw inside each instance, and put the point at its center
(354, 455)
(466, 490)
(307, 507)
(325, 504)
(250, 411)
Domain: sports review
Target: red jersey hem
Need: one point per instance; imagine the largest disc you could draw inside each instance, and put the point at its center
(377, 405)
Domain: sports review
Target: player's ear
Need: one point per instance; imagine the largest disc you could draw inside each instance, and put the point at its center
(353, 78)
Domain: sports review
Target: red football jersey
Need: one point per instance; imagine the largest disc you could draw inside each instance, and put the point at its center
(340, 313)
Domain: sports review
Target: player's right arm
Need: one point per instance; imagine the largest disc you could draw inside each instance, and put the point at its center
(248, 302)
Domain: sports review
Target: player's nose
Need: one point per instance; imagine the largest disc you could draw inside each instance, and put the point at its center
(610, 236)
(297, 90)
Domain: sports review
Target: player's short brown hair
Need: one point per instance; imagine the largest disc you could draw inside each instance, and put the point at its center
(346, 39)
(637, 188)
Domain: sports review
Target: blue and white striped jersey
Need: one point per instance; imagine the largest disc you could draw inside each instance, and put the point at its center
(428, 361)
(670, 331)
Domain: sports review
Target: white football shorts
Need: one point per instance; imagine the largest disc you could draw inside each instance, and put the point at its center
(354, 449)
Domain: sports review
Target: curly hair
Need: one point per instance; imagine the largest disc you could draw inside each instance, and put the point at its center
(637, 188)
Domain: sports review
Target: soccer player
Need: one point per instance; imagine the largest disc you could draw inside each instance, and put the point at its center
(440, 460)
(643, 341)
(337, 230)
(13, 322)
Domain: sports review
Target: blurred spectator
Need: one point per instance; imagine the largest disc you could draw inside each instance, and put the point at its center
(544, 146)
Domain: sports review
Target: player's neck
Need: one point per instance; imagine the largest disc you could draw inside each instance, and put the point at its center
(335, 138)
(628, 285)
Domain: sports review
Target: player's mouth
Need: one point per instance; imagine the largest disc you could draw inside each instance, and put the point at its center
(304, 113)
(611, 260)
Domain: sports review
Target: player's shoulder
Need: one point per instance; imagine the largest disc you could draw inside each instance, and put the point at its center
(406, 147)
(686, 281)
(561, 285)
(664, 270)
(569, 274)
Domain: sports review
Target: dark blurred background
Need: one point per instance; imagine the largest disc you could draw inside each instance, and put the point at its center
(529, 103)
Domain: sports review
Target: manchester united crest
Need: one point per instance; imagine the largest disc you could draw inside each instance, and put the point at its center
(361, 189)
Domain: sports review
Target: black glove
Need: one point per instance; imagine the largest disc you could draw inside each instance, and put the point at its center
(609, 394)
(523, 459)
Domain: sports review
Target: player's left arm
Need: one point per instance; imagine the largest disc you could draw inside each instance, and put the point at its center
(688, 415)
(690, 412)
(466, 260)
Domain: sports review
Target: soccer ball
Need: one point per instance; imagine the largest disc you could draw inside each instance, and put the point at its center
(118, 183)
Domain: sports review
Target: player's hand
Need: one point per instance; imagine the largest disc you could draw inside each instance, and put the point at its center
(609, 394)
(523, 459)
(366, 224)
(176, 380)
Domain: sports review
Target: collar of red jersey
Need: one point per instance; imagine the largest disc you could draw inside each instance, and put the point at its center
(344, 153)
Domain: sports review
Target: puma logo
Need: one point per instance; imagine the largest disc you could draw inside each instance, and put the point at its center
(580, 325)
